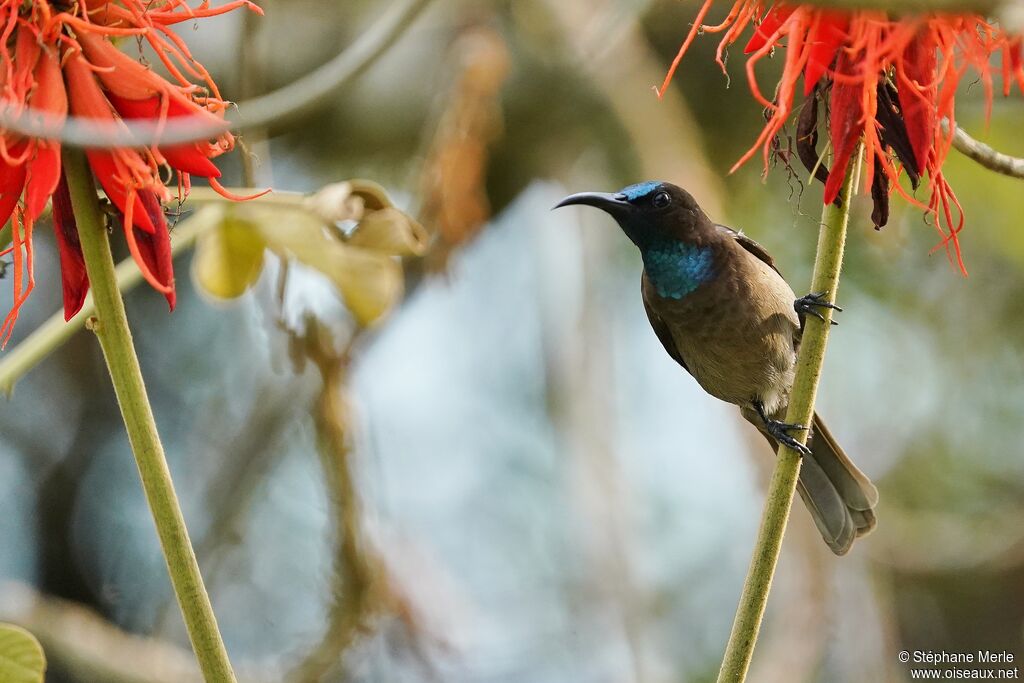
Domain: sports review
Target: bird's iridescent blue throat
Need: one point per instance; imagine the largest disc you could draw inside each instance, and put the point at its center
(676, 268)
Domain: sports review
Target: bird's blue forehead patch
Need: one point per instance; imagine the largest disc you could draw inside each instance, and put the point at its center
(634, 192)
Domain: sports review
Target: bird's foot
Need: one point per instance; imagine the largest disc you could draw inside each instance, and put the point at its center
(780, 431)
(809, 305)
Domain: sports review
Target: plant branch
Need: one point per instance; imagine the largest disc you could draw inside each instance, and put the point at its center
(985, 155)
(284, 104)
(111, 328)
(827, 264)
(357, 590)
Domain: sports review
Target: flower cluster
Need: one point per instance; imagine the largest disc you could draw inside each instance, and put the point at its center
(889, 83)
(58, 58)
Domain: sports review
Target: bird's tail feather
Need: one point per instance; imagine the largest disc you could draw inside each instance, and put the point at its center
(840, 498)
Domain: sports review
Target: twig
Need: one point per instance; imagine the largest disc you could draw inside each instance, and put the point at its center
(282, 105)
(114, 335)
(356, 591)
(985, 155)
(827, 264)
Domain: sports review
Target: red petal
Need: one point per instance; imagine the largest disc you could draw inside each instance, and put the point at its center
(155, 248)
(844, 125)
(50, 95)
(12, 182)
(105, 169)
(43, 175)
(44, 167)
(86, 99)
(825, 38)
(1015, 63)
(190, 159)
(26, 52)
(118, 72)
(73, 275)
(775, 18)
(187, 158)
(917, 90)
(152, 107)
(84, 93)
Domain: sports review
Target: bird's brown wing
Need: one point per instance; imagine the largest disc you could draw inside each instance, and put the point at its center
(751, 246)
(763, 255)
(661, 329)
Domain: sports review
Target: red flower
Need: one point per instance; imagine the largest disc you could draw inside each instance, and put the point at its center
(889, 81)
(56, 58)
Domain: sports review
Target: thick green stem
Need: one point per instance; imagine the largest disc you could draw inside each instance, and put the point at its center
(827, 264)
(111, 328)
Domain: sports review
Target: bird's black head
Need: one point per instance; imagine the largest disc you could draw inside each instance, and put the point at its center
(649, 213)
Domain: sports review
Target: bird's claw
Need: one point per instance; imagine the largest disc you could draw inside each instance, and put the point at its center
(809, 305)
(780, 432)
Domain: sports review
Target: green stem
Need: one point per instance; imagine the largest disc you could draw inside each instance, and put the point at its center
(111, 328)
(827, 264)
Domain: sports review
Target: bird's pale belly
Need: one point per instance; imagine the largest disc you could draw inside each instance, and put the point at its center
(735, 354)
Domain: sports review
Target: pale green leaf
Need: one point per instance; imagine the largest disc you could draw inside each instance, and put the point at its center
(363, 269)
(349, 200)
(229, 258)
(336, 203)
(374, 196)
(369, 282)
(21, 656)
(390, 231)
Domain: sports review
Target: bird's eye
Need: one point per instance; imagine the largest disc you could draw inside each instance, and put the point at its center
(661, 200)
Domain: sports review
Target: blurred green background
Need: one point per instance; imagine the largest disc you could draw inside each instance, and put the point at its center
(538, 493)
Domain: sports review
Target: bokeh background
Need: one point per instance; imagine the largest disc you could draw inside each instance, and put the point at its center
(507, 479)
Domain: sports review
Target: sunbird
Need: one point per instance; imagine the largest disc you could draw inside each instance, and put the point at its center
(723, 311)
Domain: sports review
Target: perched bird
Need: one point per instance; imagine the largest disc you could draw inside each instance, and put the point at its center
(722, 310)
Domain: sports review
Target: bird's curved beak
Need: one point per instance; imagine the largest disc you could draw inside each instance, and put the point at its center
(606, 201)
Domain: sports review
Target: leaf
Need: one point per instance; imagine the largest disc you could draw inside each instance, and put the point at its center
(362, 267)
(349, 200)
(381, 226)
(390, 231)
(374, 196)
(229, 257)
(21, 656)
(369, 282)
(336, 203)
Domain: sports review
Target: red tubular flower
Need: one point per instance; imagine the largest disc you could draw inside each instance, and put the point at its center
(56, 58)
(888, 80)
(845, 124)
